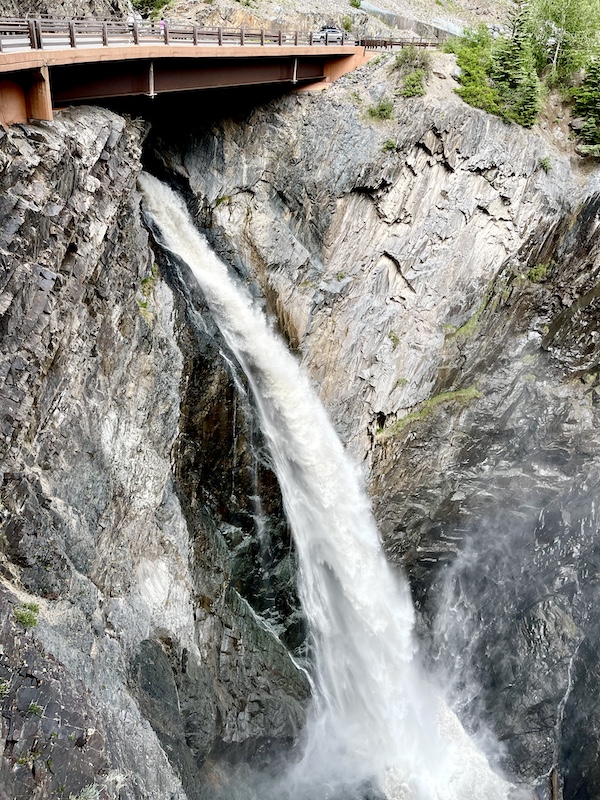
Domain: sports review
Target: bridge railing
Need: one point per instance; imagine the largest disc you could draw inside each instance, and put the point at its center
(45, 33)
(387, 43)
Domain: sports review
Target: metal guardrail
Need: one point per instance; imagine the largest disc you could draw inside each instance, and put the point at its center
(387, 43)
(45, 33)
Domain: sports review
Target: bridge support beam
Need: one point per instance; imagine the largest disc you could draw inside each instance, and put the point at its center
(335, 68)
(107, 79)
(39, 97)
(25, 97)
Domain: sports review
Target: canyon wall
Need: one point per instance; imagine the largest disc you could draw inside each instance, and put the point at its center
(65, 9)
(128, 660)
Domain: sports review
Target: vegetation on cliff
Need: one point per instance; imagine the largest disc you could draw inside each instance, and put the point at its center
(546, 45)
(414, 65)
(587, 105)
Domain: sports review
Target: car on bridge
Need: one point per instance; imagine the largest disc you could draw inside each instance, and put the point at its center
(330, 35)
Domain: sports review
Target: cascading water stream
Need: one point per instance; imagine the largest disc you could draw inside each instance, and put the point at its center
(374, 716)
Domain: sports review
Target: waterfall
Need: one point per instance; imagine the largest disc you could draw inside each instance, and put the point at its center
(374, 715)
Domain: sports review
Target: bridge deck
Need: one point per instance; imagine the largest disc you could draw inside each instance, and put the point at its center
(46, 62)
(34, 59)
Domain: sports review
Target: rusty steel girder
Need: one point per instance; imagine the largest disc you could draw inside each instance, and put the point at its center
(152, 77)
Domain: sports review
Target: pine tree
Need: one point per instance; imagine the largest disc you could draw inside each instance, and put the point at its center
(527, 100)
(513, 69)
(587, 102)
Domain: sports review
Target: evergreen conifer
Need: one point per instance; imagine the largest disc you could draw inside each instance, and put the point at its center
(513, 69)
(587, 102)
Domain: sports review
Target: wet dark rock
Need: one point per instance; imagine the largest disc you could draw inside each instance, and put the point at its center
(153, 684)
(220, 436)
(579, 742)
(496, 520)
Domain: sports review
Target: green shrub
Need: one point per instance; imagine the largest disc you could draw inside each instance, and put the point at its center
(413, 84)
(589, 150)
(347, 24)
(538, 273)
(474, 57)
(500, 77)
(28, 758)
(4, 687)
(381, 110)
(27, 614)
(545, 164)
(412, 57)
(389, 146)
(355, 3)
(146, 288)
(152, 7)
(394, 339)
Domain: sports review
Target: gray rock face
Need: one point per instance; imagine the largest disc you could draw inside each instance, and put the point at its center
(144, 660)
(440, 287)
(65, 9)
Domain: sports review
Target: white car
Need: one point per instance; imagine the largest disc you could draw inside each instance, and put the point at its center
(329, 35)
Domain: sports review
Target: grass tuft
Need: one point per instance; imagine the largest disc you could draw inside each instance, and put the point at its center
(381, 110)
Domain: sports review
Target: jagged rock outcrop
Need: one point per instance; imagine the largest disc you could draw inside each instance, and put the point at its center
(126, 656)
(509, 481)
(439, 281)
(65, 9)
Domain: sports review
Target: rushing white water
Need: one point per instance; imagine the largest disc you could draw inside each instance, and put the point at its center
(374, 717)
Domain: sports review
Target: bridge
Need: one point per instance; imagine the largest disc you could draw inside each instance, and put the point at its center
(50, 63)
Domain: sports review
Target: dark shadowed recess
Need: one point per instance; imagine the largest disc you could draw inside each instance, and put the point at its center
(187, 110)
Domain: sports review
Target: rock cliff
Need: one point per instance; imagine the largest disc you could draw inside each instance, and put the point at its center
(65, 9)
(127, 655)
(437, 272)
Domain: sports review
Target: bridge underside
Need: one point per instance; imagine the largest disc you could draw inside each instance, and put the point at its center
(153, 77)
(33, 83)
